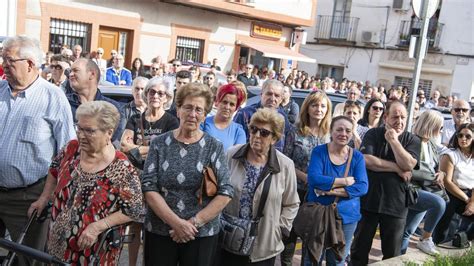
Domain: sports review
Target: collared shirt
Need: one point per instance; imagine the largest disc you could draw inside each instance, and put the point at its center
(75, 101)
(248, 81)
(36, 124)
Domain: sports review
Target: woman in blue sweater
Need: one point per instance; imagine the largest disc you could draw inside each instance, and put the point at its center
(326, 180)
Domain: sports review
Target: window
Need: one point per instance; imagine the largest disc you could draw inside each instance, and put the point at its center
(336, 72)
(424, 84)
(66, 32)
(189, 49)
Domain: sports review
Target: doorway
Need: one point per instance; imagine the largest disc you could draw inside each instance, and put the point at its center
(116, 39)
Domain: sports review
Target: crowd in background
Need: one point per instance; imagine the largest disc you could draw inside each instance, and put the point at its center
(99, 161)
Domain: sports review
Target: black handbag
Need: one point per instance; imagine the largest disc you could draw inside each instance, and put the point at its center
(411, 195)
(238, 235)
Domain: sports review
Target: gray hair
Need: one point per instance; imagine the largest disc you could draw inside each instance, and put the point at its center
(272, 83)
(139, 79)
(105, 113)
(28, 48)
(427, 123)
(159, 81)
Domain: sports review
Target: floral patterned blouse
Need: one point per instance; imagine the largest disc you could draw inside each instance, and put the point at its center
(299, 147)
(82, 198)
(248, 190)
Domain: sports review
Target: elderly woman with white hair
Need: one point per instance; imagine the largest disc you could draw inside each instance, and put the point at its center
(141, 128)
(429, 181)
(93, 188)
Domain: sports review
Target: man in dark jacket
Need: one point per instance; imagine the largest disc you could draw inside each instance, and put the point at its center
(248, 78)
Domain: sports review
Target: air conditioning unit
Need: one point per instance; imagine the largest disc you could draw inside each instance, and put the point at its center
(370, 37)
(399, 5)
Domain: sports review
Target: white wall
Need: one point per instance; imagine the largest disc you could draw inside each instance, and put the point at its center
(297, 8)
(463, 83)
(8, 18)
(458, 18)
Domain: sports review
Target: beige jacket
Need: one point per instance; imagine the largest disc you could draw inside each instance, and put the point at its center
(282, 203)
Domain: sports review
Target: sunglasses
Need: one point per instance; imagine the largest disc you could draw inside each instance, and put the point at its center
(464, 110)
(155, 68)
(160, 93)
(376, 108)
(206, 78)
(100, 53)
(263, 132)
(176, 65)
(467, 136)
(57, 67)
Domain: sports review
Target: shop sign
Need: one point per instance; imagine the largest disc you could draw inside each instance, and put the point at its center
(266, 31)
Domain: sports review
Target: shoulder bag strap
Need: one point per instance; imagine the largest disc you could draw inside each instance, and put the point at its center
(264, 196)
(348, 167)
(142, 129)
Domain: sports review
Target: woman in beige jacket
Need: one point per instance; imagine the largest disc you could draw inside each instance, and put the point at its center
(250, 165)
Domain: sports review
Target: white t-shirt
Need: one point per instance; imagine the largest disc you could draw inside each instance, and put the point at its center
(463, 174)
(448, 131)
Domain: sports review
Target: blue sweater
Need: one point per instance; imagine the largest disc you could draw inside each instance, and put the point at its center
(321, 175)
(230, 136)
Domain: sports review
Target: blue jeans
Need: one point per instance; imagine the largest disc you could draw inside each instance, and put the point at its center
(428, 203)
(349, 230)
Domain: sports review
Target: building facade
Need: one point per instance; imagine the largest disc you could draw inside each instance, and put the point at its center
(369, 40)
(233, 31)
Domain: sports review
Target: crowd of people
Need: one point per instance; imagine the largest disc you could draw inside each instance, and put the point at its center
(187, 155)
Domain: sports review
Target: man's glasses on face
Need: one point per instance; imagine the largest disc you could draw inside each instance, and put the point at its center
(208, 78)
(176, 65)
(10, 60)
(464, 110)
(56, 67)
(155, 68)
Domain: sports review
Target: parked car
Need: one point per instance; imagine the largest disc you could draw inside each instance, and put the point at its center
(298, 96)
(122, 94)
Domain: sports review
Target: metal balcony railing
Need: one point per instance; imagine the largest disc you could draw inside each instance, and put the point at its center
(413, 27)
(339, 28)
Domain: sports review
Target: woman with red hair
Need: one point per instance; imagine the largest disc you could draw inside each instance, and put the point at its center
(229, 98)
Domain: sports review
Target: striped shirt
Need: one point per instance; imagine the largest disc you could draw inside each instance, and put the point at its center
(36, 124)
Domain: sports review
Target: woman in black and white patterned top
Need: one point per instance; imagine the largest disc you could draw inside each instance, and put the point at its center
(178, 229)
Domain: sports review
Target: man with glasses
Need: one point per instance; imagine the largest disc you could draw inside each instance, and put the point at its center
(117, 74)
(59, 69)
(271, 97)
(247, 77)
(155, 71)
(353, 94)
(460, 113)
(84, 79)
(36, 123)
(137, 105)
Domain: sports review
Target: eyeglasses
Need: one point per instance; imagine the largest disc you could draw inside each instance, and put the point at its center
(87, 131)
(189, 108)
(155, 68)
(467, 136)
(464, 110)
(263, 132)
(10, 60)
(206, 78)
(176, 65)
(100, 53)
(376, 108)
(57, 67)
(160, 93)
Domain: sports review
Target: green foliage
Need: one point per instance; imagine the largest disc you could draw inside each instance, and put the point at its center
(466, 259)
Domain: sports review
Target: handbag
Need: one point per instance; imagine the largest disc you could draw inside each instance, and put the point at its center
(411, 195)
(208, 184)
(238, 235)
(134, 155)
(305, 222)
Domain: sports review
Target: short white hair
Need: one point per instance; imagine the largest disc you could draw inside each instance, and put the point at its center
(28, 48)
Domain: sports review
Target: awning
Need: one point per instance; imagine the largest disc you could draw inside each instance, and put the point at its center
(281, 52)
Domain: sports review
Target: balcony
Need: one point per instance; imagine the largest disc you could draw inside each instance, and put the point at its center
(413, 27)
(336, 29)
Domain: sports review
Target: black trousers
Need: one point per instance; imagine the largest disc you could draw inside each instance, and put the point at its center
(455, 205)
(163, 251)
(229, 259)
(391, 234)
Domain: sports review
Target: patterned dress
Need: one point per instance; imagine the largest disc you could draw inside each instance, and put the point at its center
(82, 198)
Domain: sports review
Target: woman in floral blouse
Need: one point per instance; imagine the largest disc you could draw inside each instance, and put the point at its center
(95, 188)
